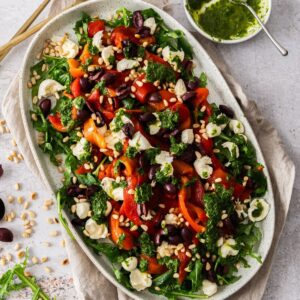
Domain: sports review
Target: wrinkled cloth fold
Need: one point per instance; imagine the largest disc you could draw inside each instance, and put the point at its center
(88, 281)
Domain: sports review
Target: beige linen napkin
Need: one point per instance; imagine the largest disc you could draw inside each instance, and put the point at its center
(89, 282)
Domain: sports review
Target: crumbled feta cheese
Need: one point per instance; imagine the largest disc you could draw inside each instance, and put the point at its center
(96, 231)
(233, 149)
(171, 219)
(154, 127)
(187, 136)
(127, 64)
(209, 288)
(213, 130)
(107, 52)
(82, 209)
(130, 263)
(116, 194)
(236, 126)
(258, 210)
(97, 40)
(150, 23)
(202, 167)
(165, 249)
(67, 48)
(180, 88)
(80, 149)
(113, 138)
(140, 280)
(227, 249)
(169, 55)
(164, 157)
(140, 142)
(49, 87)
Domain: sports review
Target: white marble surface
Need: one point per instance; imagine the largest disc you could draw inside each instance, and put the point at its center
(273, 81)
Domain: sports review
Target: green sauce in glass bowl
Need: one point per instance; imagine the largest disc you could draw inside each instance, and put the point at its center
(223, 20)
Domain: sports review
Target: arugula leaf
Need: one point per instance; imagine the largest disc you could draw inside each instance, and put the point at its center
(123, 17)
(61, 200)
(203, 80)
(156, 71)
(196, 276)
(177, 148)
(8, 281)
(129, 103)
(81, 28)
(146, 244)
(123, 278)
(170, 263)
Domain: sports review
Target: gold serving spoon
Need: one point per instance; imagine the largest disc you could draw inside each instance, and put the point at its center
(281, 49)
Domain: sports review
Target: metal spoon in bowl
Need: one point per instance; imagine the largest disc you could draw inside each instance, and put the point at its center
(282, 50)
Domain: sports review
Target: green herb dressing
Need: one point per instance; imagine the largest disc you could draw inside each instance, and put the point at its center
(224, 20)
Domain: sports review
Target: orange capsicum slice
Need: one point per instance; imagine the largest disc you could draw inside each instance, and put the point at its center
(90, 132)
(75, 68)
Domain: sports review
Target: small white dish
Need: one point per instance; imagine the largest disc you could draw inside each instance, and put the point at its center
(256, 29)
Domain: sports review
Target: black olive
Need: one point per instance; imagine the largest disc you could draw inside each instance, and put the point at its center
(109, 78)
(226, 111)
(170, 188)
(175, 240)
(128, 130)
(123, 91)
(188, 95)
(158, 237)
(91, 190)
(6, 235)
(45, 106)
(2, 209)
(186, 234)
(85, 84)
(172, 230)
(147, 117)
(1, 170)
(83, 115)
(74, 190)
(144, 31)
(95, 75)
(142, 161)
(137, 19)
(188, 155)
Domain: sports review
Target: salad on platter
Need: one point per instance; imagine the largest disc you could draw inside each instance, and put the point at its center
(162, 182)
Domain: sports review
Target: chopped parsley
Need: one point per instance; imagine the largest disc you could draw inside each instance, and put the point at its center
(176, 147)
(156, 71)
(146, 244)
(129, 103)
(150, 155)
(118, 121)
(121, 239)
(119, 146)
(122, 184)
(169, 119)
(143, 265)
(101, 86)
(131, 152)
(79, 102)
(214, 204)
(143, 193)
(99, 204)
(64, 107)
(81, 28)
(164, 174)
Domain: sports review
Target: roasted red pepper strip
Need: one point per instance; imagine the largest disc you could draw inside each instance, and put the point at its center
(183, 206)
(118, 232)
(95, 26)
